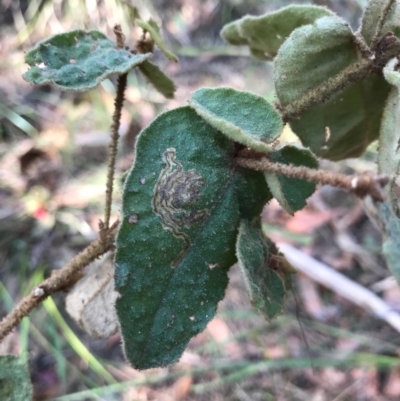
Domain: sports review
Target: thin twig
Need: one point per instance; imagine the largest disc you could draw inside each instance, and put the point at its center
(381, 23)
(58, 281)
(353, 73)
(359, 185)
(112, 150)
(386, 48)
(340, 284)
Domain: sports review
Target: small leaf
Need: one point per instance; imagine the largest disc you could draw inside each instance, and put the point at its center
(242, 116)
(391, 72)
(389, 139)
(158, 79)
(78, 60)
(291, 193)
(154, 31)
(91, 301)
(15, 382)
(265, 286)
(389, 223)
(231, 33)
(372, 15)
(182, 203)
(265, 34)
(345, 124)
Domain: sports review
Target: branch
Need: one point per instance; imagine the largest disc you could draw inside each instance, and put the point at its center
(354, 72)
(112, 150)
(385, 49)
(58, 281)
(381, 23)
(361, 186)
(340, 284)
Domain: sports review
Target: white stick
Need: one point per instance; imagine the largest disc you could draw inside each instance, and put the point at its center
(340, 284)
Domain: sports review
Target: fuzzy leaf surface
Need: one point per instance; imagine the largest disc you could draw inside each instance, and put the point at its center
(158, 79)
(15, 384)
(389, 223)
(265, 34)
(391, 72)
(345, 124)
(291, 193)
(182, 203)
(78, 60)
(389, 138)
(152, 28)
(371, 17)
(242, 116)
(265, 286)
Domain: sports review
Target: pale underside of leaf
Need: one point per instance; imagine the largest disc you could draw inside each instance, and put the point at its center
(391, 72)
(389, 223)
(389, 146)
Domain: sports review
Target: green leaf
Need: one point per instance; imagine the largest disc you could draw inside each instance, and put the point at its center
(265, 286)
(182, 202)
(345, 124)
(391, 72)
(389, 139)
(372, 15)
(158, 79)
(265, 34)
(15, 382)
(78, 60)
(152, 28)
(389, 223)
(242, 116)
(291, 193)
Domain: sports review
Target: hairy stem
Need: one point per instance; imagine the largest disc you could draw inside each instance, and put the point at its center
(381, 23)
(112, 155)
(354, 72)
(59, 280)
(386, 48)
(361, 186)
(113, 147)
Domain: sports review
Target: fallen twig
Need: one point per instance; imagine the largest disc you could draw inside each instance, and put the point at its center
(341, 285)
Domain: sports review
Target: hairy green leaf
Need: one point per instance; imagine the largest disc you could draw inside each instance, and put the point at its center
(389, 223)
(78, 60)
(152, 28)
(372, 15)
(345, 124)
(291, 193)
(265, 286)
(389, 139)
(158, 79)
(391, 72)
(265, 34)
(242, 116)
(15, 382)
(182, 204)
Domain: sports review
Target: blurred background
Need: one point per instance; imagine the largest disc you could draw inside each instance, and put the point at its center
(53, 155)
